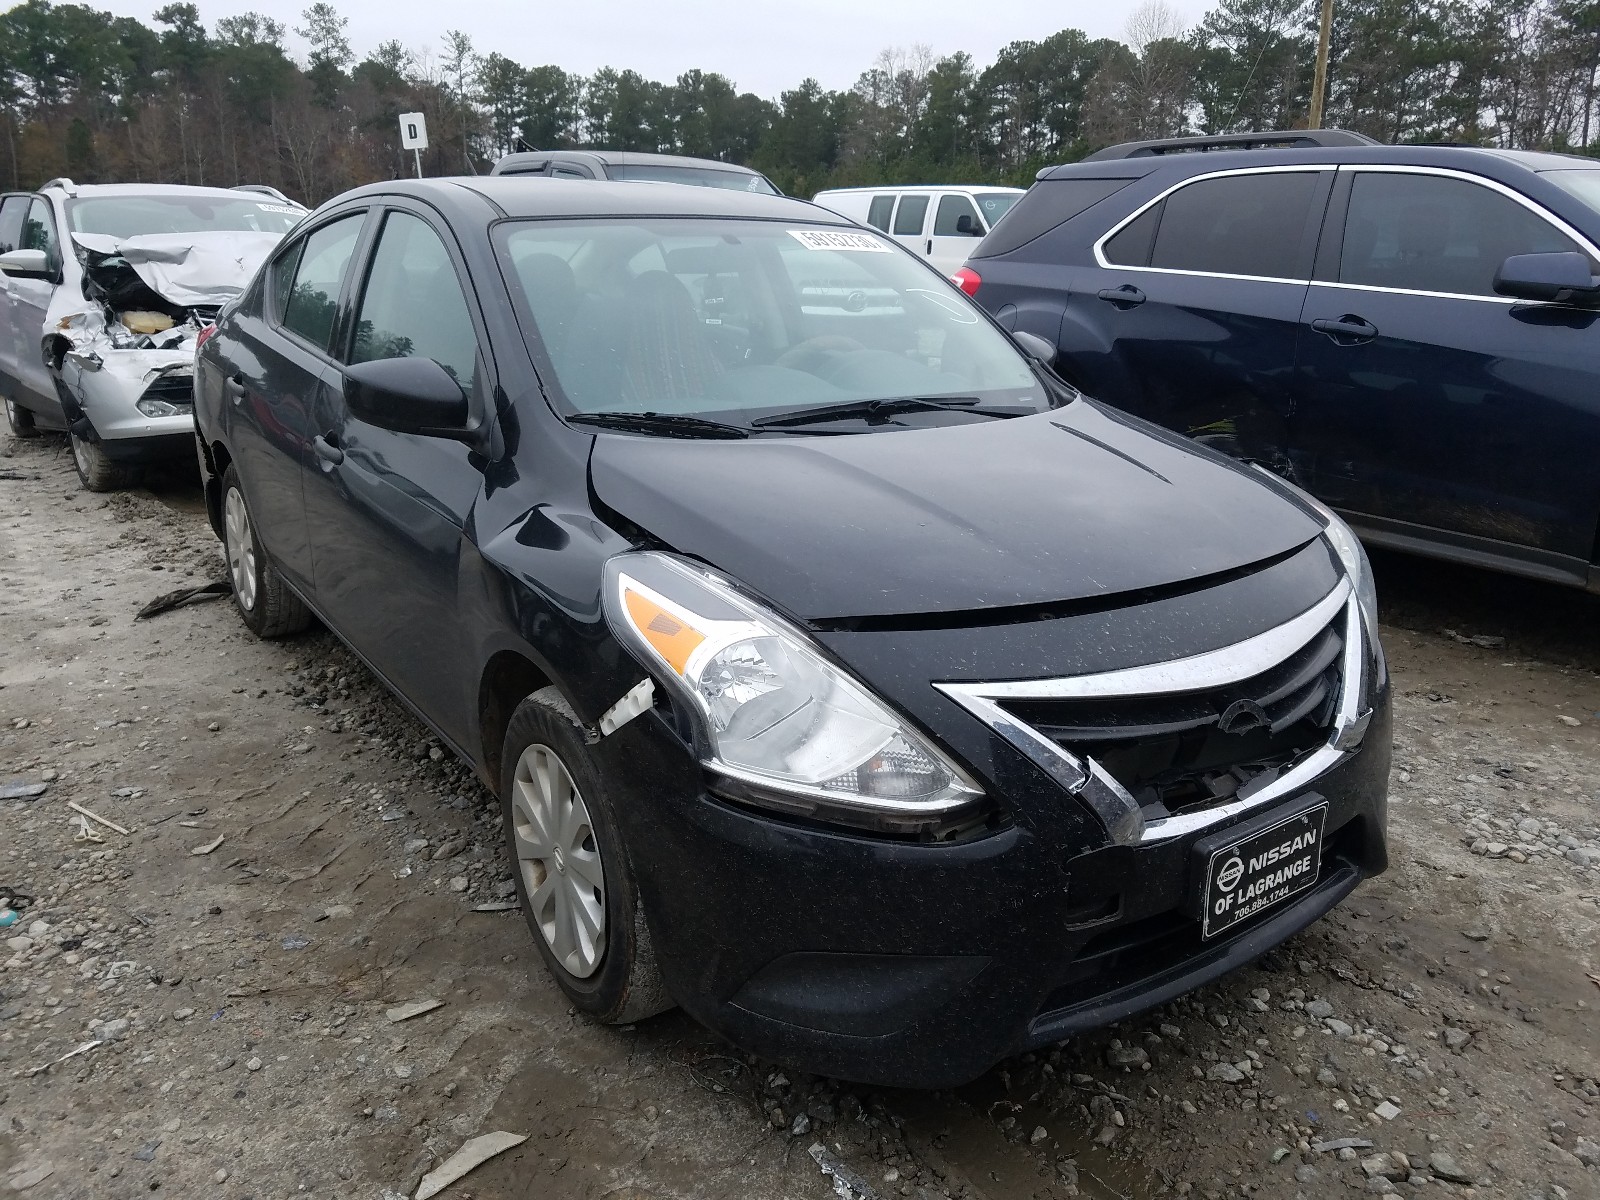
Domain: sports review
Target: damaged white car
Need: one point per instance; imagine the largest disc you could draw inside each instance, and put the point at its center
(107, 289)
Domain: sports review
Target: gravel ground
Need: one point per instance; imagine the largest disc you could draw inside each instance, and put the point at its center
(301, 857)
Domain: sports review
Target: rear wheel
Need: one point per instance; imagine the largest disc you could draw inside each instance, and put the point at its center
(97, 471)
(265, 602)
(20, 420)
(578, 894)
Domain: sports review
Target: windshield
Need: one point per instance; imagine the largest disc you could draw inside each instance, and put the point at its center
(737, 181)
(995, 205)
(739, 320)
(130, 216)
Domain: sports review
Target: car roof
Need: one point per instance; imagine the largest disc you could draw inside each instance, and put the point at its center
(626, 158)
(924, 187)
(517, 197)
(83, 190)
(1467, 158)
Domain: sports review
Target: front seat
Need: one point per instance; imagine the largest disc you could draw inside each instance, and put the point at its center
(666, 361)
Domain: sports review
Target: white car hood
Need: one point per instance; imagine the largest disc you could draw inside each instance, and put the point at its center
(188, 269)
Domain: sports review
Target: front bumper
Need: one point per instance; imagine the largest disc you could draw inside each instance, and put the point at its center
(922, 965)
(105, 387)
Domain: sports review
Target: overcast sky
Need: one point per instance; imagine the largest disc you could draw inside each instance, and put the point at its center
(764, 46)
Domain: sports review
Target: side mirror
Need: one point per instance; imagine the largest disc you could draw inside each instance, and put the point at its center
(408, 395)
(1560, 278)
(27, 264)
(967, 227)
(1035, 347)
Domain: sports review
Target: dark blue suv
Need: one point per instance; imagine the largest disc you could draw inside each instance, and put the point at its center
(1406, 331)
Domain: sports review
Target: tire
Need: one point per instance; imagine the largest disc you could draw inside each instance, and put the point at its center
(97, 472)
(21, 420)
(611, 976)
(265, 602)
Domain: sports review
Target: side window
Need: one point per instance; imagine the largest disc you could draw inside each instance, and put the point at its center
(878, 215)
(412, 305)
(1131, 246)
(1238, 225)
(11, 213)
(948, 221)
(283, 268)
(1428, 233)
(39, 230)
(912, 212)
(313, 299)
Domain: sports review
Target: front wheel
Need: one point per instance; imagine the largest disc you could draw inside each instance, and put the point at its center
(265, 602)
(97, 471)
(572, 876)
(20, 419)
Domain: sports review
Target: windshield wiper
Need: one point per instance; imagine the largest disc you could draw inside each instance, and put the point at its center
(872, 410)
(664, 424)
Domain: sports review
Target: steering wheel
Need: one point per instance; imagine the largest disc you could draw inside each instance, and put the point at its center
(814, 352)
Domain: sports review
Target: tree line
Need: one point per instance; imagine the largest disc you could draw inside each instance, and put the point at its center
(102, 98)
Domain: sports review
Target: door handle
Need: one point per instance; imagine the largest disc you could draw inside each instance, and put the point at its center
(1348, 330)
(234, 386)
(1126, 296)
(930, 248)
(326, 450)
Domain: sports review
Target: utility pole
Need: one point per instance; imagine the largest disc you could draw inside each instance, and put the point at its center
(1319, 85)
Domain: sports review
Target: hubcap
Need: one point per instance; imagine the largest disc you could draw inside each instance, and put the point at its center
(241, 549)
(80, 454)
(559, 860)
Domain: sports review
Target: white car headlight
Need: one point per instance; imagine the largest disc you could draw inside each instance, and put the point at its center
(773, 713)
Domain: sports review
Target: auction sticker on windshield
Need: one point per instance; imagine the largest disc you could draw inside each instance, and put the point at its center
(829, 239)
(1263, 870)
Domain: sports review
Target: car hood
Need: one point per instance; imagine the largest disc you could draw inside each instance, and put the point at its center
(1069, 505)
(184, 269)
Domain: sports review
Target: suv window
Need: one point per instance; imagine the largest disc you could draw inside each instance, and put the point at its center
(912, 212)
(1238, 225)
(312, 301)
(11, 210)
(1430, 233)
(412, 305)
(39, 230)
(1043, 207)
(948, 219)
(878, 214)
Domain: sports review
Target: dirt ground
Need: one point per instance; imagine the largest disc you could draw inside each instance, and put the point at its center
(301, 856)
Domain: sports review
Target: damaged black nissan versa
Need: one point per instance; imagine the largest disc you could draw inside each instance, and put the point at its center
(845, 677)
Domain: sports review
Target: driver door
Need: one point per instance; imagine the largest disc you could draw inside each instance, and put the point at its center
(27, 301)
(957, 229)
(1428, 402)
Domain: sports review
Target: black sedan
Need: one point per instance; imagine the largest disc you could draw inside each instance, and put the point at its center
(845, 677)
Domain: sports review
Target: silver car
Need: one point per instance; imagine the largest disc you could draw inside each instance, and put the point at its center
(104, 291)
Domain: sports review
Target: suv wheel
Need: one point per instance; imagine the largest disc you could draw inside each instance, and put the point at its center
(265, 602)
(20, 420)
(578, 894)
(98, 472)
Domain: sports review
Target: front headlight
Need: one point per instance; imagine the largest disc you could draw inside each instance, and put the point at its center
(1349, 549)
(163, 408)
(772, 713)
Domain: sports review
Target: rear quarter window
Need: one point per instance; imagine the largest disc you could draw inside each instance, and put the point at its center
(1044, 206)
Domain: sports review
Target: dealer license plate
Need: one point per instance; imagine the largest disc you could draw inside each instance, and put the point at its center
(1262, 871)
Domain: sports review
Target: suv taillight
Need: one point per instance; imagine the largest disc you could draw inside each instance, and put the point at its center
(968, 280)
(205, 336)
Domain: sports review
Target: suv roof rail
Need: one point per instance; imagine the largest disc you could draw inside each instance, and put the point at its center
(62, 182)
(1271, 140)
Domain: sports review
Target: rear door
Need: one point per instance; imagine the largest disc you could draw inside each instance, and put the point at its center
(387, 510)
(1195, 304)
(275, 362)
(1430, 406)
(957, 229)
